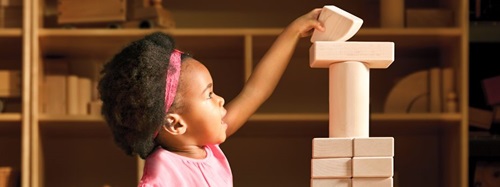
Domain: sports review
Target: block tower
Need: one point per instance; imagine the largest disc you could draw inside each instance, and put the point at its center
(349, 157)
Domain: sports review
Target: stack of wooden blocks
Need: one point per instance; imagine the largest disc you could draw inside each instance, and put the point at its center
(349, 157)
(69, 88)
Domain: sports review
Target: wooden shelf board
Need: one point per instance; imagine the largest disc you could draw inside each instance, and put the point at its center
(452, 117)
(10, 32)
(70, 118)
(65, 128)
(445, 32)
(10, 117)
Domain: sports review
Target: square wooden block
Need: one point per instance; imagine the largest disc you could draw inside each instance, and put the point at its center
(372, 182)
(331, 168)
(332, 147)
(330, 182)
(372, 167)
(374, 147)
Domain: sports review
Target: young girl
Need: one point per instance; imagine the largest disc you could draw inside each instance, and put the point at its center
(160, 104)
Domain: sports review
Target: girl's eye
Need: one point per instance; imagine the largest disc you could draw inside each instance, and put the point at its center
(210, 95)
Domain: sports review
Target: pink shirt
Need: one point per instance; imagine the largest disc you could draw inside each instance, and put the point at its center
(166, 169)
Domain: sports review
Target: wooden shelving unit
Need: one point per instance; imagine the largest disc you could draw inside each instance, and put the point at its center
(229, 37)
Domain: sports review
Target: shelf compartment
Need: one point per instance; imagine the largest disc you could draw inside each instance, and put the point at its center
(83, 150)
(11, 144)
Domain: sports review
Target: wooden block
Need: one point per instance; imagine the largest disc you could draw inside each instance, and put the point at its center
(403, 96)
(435, 90)
(349, 99)
(55, 84)
(392, 13)
(496, 114)
(374, 54)
(91, 11)
(372, 182)
(10, 83)
(339, 25)
(84, 95)
(55, 87)
(480, 118)
(491, 87)
(374, 147)
(449, 96)
(331, 168)
(332, 147)
(95, 107)
(72, 95)
(429, 18)
(330, 182)
(372, 167)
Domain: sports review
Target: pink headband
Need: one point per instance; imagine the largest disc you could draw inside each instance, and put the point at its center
(172, 80)
(173, 72)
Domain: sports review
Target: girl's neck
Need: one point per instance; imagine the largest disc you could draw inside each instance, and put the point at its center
(195, 152)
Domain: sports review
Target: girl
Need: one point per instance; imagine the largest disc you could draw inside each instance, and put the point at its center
(160, 104)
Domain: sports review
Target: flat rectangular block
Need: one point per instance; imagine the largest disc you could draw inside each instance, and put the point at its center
(92, 11)
(372, 182)
(331, 168)
(372, 167)
(332, 147)
(374, 54)
(374, 147)
(330, 182)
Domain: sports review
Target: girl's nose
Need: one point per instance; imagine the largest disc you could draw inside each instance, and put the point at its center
(221, 101)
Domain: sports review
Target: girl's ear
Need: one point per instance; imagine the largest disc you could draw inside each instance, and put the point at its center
(173, 125)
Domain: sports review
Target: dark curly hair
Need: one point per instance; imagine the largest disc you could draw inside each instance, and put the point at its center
(132, 89)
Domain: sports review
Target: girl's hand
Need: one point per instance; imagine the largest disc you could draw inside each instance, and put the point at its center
(305, 24)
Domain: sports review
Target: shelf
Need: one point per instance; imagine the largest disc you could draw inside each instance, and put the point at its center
(10, 117)
(10, 32)
(70, 118)
(432, 32)
(452, 117)
(320, 117)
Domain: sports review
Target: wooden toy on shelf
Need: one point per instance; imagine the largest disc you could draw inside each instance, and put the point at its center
(116, 13)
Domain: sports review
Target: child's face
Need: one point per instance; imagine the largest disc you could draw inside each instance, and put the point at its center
(203, 110)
